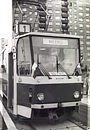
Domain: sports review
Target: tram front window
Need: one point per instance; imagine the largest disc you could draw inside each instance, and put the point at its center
(57, 60)
(58, 56)
(24, 57)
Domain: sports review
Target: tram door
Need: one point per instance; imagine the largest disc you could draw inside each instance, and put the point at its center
(10, 80)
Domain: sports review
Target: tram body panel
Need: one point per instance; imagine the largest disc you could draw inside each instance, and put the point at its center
(53, 93)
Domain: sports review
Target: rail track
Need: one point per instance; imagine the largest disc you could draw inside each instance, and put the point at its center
(45, 125)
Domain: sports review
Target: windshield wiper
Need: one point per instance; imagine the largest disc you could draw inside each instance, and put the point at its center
(43, 70)
(61, 67)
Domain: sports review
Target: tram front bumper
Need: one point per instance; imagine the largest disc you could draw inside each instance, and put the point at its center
(27, 111)
(55, 105)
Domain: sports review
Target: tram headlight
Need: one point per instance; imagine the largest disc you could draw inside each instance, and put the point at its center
(76, 94)
(40, 96)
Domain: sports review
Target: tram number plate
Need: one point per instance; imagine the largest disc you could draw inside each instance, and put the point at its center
(24, 28)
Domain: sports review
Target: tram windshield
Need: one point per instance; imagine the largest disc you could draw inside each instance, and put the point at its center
(59, 56)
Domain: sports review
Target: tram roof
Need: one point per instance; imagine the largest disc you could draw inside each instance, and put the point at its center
(46, 34)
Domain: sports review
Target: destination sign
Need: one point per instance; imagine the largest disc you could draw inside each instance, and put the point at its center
(55, 41)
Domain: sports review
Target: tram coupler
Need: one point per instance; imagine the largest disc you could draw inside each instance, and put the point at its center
(53, 116)
(76, 108)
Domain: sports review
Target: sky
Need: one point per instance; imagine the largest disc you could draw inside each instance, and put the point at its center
(5, 19)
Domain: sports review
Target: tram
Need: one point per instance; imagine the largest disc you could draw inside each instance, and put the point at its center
(44, 74)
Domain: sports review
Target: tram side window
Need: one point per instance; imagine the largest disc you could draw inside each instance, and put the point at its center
(24, 57)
